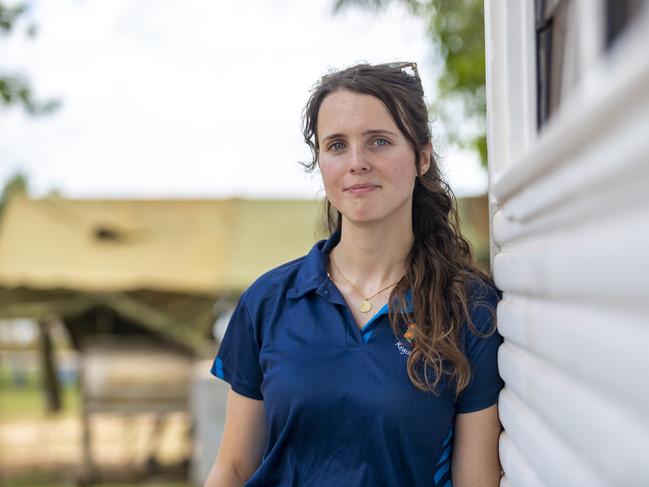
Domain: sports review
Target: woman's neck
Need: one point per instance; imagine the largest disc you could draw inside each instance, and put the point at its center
(373, 256)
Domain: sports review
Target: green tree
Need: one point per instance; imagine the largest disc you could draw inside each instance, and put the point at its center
(16, 185)
(15, 89)
(456, 29)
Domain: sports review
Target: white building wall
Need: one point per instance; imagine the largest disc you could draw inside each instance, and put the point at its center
(570, 251)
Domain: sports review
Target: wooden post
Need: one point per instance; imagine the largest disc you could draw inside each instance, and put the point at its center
(51, 384)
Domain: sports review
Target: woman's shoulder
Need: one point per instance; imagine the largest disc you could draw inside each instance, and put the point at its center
(272, 284)
(278, 275)
(296, 274)
(482, 291)
(482, 301)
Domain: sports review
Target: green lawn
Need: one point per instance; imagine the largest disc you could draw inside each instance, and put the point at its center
(28, 401)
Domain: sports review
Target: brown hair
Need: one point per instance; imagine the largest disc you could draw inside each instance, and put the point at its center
(440, 268)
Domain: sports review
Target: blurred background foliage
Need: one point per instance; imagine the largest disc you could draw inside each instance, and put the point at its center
(456, 31)
(15, 88)
(15, 186)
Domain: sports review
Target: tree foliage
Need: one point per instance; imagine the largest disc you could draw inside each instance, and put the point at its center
(456, 29)
(15, 89)
(15, 186)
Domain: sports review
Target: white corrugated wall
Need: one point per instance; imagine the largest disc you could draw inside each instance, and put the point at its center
(570, 250)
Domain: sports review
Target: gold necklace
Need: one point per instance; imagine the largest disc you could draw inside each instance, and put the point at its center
(365, 305)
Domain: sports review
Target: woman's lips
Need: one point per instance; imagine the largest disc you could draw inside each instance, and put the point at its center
(362, 188)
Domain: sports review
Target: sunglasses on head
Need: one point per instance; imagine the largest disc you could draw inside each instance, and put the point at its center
(402, 66)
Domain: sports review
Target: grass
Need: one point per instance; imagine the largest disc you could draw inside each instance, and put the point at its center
(34, 480)
(28, 401)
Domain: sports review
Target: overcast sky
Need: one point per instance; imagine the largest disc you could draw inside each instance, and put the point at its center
(191, 98)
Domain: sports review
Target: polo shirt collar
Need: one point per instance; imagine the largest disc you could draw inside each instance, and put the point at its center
(313, 269)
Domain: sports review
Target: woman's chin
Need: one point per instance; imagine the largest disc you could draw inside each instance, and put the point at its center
(368, 218)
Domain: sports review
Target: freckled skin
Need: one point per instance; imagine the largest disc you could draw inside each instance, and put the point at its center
(384, 161)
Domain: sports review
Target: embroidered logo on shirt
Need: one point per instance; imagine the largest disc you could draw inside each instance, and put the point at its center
(410, 332)
(409, 335)
(403, 349)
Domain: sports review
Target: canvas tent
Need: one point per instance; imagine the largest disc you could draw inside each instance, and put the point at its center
(161, 263)
(138, 285)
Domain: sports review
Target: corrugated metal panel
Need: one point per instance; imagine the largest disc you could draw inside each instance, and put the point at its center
(570, 228)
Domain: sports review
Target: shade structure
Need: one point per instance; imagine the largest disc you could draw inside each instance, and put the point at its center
(162, 263)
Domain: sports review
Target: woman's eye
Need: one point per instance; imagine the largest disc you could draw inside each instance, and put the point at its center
(336, 146)
(381, 142)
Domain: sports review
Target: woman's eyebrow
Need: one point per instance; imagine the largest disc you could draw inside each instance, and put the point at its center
(367, 132)
(332, 136)
(379, 131)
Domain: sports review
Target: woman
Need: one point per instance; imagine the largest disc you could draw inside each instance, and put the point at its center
(371, 361)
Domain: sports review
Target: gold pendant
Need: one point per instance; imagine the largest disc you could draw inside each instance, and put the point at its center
(365, 306)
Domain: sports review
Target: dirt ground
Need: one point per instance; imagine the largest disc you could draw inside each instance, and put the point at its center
(118, 442)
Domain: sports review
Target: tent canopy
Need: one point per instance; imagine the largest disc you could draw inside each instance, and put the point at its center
(181, 246)
(166, 265)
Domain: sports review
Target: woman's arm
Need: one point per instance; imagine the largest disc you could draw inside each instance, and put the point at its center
(242, 446)
(475, 450)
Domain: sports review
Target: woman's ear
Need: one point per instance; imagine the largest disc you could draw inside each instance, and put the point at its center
(424, 158)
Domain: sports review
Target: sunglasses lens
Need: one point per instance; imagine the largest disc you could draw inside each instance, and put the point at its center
(410, 68)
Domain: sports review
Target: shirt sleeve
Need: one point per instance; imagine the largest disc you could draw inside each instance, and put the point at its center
(237, 360)
(485, 383)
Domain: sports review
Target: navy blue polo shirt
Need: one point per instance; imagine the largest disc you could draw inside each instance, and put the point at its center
(340, 408)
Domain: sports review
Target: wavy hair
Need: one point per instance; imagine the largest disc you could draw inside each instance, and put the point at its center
(441, 270)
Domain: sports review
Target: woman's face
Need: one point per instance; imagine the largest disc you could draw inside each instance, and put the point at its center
(367, 165)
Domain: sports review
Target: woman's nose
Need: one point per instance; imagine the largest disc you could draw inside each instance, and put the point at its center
(358, 161)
